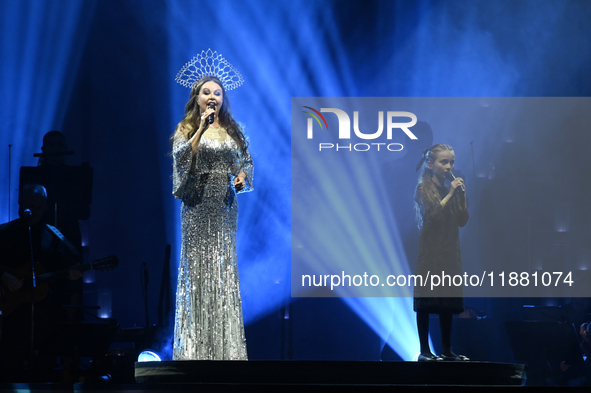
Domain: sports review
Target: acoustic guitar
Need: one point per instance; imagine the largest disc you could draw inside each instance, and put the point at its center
(11, 300)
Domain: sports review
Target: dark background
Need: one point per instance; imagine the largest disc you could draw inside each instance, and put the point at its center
(103, 73)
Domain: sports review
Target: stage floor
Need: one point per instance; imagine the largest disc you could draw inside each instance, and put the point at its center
(331, 373)
(308, 376)
(264, 388)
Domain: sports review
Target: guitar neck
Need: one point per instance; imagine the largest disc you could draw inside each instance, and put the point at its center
(24, 271)
(63, 272)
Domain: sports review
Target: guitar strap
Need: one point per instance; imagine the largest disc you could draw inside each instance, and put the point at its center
(60, 236)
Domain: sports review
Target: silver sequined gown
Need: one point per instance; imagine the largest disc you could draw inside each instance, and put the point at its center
(208, 316)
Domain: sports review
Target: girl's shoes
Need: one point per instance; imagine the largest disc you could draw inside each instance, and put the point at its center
(455, 358)
(429, 358)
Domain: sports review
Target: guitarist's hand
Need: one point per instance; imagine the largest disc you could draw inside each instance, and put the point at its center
(74, 274)
(11, 282)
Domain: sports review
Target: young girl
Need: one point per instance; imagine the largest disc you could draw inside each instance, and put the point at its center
(440, 210)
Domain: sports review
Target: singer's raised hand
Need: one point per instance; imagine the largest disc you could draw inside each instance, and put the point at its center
(458, 182)
(203, 125)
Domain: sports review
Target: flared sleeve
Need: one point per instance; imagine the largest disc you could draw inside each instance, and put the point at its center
(183, 159)
(246, 166)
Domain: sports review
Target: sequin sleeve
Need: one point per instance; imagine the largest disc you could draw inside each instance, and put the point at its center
(182, 155)
(247, 167)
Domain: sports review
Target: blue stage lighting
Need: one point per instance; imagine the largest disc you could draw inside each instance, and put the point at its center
(148, 356)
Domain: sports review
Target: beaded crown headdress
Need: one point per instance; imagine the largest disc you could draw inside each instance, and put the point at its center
(209, 63)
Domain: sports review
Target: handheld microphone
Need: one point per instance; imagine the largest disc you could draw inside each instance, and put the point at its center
(451, 177)
(211, 105)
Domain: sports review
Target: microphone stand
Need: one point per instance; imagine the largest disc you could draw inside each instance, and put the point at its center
(33, 286)
(9, 176)
(144, 281)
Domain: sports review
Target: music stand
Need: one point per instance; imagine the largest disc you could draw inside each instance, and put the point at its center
(66, 185)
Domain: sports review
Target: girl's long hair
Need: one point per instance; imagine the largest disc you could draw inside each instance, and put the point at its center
(190, 123)
(425, 186)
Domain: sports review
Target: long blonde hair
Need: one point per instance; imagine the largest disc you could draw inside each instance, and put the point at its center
(425, 186)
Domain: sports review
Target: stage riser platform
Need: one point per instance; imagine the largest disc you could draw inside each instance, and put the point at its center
(331, 373)
(269, 388)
